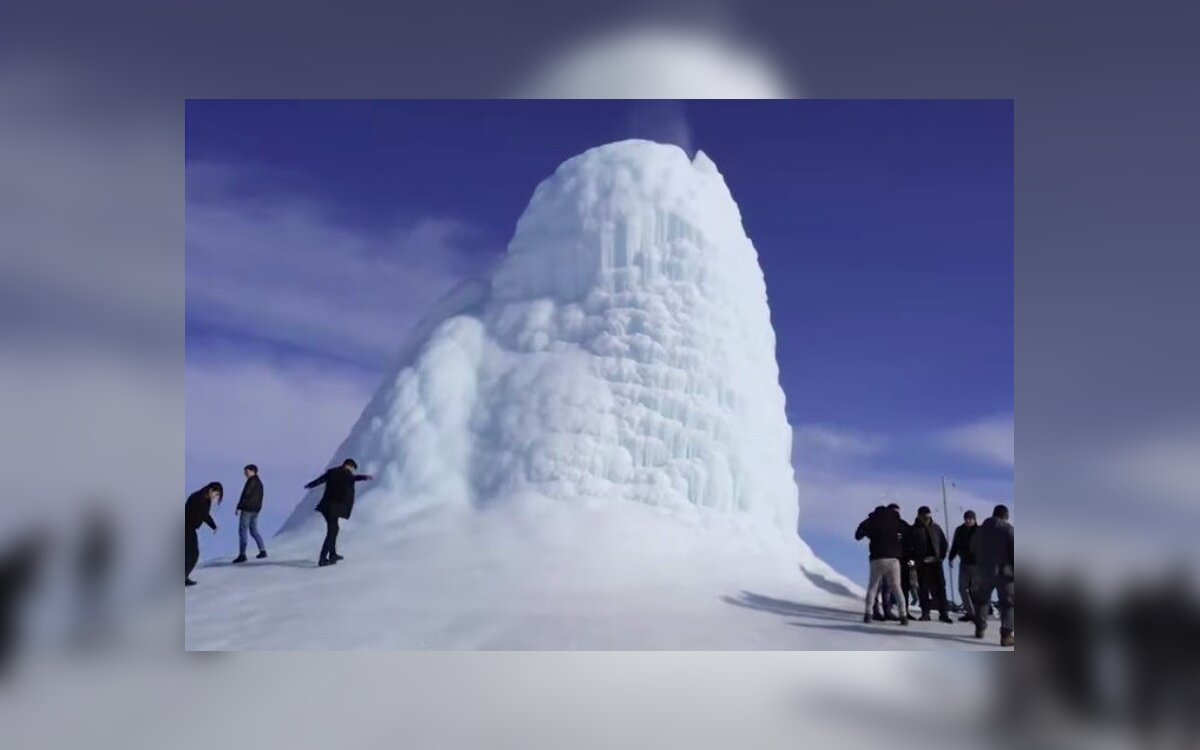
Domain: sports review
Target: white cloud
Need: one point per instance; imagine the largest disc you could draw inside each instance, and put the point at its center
(835, 502)
(842, 474)
(988, 440)
(302, 315)
(1161, 470)
(828, 441)
(284, 414)
(657, 62)
(279, 267)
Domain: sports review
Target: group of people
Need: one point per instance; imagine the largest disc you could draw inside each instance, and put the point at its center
(337, 502)
(909, 558)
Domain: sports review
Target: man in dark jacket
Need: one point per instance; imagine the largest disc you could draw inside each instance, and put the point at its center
(992, 546)
(336, 502)
(197, 511)
(961, 548)
(929, 550)
(884, 529)
(248, 508)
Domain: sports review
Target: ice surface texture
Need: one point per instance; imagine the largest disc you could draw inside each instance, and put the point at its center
(621, 352)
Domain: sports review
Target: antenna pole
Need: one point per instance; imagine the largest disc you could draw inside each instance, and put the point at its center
(946, 518)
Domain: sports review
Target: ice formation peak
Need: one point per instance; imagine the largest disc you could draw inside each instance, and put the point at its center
(622, 351)
(615, 207)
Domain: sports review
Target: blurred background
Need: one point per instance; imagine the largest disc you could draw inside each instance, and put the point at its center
(92, 386)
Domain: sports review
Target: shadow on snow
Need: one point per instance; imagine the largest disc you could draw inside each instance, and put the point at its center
(260, 564)
(837, 619)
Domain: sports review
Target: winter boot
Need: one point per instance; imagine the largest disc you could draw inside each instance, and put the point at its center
(1006, 638)
(336, 557)
(327, 561)
(239, 559)
(978, 632)
(261, 554)
(890, 616)
(925, 617)
(866, 619)
(877, 616)
(966, 618)
(944, 618)
(188, 582)
(904, 621)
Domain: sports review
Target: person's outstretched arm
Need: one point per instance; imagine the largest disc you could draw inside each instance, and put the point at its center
(363, 477)
(319, 480)
(209, 520)
(861, 531)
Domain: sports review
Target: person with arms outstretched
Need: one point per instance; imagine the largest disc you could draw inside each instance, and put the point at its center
(336, 503)
(196, 512)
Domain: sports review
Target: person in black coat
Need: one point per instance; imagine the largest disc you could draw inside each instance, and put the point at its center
(196, 512)
(885, 530)
(994, 554)
(961, 548)
(336, 503)
(929, 550)
(248, 507)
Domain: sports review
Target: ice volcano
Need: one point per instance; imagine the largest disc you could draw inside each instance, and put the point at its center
(588, 448)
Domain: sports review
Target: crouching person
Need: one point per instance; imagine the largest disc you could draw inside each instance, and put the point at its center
(197, 511)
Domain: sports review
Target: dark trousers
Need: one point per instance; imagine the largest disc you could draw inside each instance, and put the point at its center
(191, 551)
(967, 582)
(932, 586)
(329, 547)
(908, 581)
(1000, 580)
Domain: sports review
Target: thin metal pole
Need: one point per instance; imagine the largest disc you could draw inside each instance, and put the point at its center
(946, 518)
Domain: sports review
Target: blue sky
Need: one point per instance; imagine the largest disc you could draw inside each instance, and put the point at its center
(318, 232)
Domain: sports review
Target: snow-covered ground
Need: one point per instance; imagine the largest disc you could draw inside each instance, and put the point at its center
(587, 449)
(542, 578)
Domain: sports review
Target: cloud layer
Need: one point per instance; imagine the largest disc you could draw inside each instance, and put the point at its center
(988, 440)
(842, 474)
(281, 268)
(293, 316)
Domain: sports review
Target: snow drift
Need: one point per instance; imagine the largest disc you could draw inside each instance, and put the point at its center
(600, 418)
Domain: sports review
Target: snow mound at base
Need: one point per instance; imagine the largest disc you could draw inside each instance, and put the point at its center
(536, 574)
